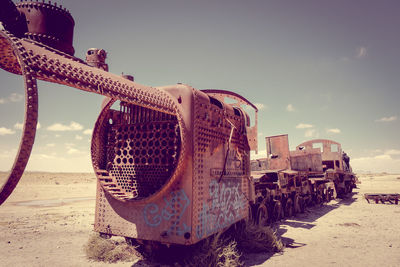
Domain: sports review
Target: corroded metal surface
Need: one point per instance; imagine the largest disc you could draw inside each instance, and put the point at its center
(213, 189)
(135, 151)
(34, 59)
(239, 101)
(383, 198)
(278, 152)
(173, 163)
(287, 181)
(44, 63)
(48, 24)
(331, 151)
(31, 112)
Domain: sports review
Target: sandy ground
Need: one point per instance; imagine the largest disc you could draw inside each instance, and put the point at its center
(50, 216)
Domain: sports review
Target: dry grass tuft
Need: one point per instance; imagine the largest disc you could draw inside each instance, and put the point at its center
(107, 250)
(216, 251)
(229, 255)
(221, 250)
(255, 238)
(226, 249)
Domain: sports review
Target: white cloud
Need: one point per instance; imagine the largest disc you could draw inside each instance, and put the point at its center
(304, 126)
(5, 131)
(72, 150)
(260, 155)
(7, 159)
(260, 106)
(57, 163)
(387, 119)
(58, 127)
(311, 133)
(4, 156)
(14, 97)
(384, 156)
(18, 126)
(290, 108)
(43, 156)
(379, 163)
(333, 130)
(392, 152)
(87, 132)
(361, 52)
(377, 151)
(78, 137)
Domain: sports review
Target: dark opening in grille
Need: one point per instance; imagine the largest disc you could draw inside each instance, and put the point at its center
(143, 148)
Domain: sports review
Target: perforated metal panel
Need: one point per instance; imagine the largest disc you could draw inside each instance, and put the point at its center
(142, 152)
(221, 167)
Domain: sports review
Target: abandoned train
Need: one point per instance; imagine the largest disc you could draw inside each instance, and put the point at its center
(287, 181)
(173, 163)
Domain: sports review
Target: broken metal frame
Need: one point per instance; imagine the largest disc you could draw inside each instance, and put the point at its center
(383, 198)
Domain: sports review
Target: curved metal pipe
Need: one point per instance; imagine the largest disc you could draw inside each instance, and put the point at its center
(28, 132)
(36, 61)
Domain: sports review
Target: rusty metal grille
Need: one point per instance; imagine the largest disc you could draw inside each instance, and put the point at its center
(142, 150)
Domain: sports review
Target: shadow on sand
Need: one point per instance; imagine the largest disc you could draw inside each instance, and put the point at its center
(304, 220)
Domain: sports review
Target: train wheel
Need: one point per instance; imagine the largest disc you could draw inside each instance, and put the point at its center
(308, 201)
(297, 204)
(303, 204)
(277, 212)
(289, 208)
(319, 199)
(251, 217)
(262, 215)
(350, 190)
(239, 226)
(329, 195)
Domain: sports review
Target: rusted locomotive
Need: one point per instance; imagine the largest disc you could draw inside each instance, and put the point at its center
(173, 162)
(287, 181)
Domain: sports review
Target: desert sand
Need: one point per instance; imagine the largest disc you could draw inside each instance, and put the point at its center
(49, 217)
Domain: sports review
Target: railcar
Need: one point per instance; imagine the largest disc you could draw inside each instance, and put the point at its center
(287, 181)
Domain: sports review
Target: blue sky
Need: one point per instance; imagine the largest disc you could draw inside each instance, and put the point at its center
(315, 68)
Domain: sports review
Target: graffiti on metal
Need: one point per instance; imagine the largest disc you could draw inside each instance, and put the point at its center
(174, 205)
(225, 206)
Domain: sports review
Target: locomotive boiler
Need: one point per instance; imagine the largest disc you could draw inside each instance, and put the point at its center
(172, 163)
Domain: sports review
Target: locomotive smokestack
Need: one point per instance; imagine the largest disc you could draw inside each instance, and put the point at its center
(39, 21)
(48, 24)
(12, 20)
